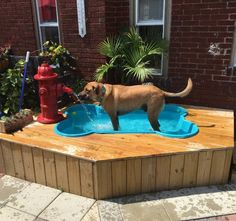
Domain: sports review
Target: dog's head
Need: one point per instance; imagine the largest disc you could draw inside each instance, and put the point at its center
(93, 91)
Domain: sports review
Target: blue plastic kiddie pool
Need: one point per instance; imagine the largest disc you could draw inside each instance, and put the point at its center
(84, 119)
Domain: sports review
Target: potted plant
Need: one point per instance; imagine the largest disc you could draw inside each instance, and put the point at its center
(10, 87)
(129, 55)
(4, 57)
(16, 121)
(58, 57)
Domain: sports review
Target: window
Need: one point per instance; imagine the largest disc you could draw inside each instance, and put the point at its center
(150, 19)
(47, 20)
(233, 62)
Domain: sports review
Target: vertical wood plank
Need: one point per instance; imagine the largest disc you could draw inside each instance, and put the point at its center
(134, 176)
(74, 175)
(61, 172)
(162, 172)
(50, 169)
(28, 163)
(2, 166)
(204, 168)
(190, 169)
(148, 174)
(217, 167)
(228, 161)
(119, 174)
(8, 158)
(39, 166)
(18, 160)
(86, 178)
(102, 180)
(176, 171)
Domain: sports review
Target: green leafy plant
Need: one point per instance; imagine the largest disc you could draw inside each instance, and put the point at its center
(10, 87)
(58, 56)
(130, 55)
(4, 57)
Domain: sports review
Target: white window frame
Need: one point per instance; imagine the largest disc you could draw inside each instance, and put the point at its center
(158, 22)
(233, 57)
(152, 22)
(46, 24)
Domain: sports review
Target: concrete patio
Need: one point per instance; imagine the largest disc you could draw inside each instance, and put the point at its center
(21, 200)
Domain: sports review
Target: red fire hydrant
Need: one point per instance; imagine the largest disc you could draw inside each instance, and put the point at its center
(49, 91)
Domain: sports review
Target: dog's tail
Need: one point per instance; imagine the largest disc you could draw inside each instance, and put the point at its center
(183, 93)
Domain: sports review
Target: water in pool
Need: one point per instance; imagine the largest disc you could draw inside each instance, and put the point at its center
(84, 119)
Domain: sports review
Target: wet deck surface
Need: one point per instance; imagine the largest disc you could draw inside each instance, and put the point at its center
(216, 131)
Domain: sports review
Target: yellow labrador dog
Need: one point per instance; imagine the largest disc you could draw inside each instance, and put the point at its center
(119, 99)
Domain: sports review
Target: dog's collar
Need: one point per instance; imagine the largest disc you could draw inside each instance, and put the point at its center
(103, 90)
(103, 93)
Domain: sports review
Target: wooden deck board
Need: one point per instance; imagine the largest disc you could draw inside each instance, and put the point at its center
(216, 131)
(111, 165)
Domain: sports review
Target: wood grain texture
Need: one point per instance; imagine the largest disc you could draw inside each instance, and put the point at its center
(28, 163)
(103, 180)
(2, 166)
(134, 176)
(176, 171)
(39, 166)
(74, 175)
(217, 167)
(107, 165)
(163, 172)
(61, 172)
(148, 174)
(228, 161)
(50, 169)
(18, 160)
(216, 132)
(190, 169)
(8, 158)
(119, 181)
(204, 167)
(86, 178)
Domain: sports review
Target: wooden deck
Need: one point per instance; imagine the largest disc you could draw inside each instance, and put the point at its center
(102, 166)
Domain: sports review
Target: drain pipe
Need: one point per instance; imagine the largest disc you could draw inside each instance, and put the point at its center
(23, 80)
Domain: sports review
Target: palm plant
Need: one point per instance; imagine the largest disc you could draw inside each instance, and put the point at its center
(130, 55)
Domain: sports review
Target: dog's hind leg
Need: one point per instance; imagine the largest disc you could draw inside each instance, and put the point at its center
(152, 117)
(153, 112)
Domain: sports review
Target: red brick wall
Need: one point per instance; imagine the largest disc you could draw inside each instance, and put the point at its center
(84, 49)
(194, 27)
(116, 16)
(103, 18)
(16, 25)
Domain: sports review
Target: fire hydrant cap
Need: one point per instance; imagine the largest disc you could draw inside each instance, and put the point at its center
(45, 72)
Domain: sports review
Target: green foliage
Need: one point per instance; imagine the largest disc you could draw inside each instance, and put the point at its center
(129, 54)
(10, 88)
(58, 56)
(5, 52)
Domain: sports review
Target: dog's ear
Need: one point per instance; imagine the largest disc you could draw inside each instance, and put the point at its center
(96, 90)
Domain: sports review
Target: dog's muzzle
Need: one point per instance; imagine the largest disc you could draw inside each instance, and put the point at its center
(83, 96)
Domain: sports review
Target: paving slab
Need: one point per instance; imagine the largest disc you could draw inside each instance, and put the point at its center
(219, 218)
(67, 207)
(143, 207)
(33, 199)
(200, 202)
(10, 187)
(92, 214)
(10, 214)
(109, 210)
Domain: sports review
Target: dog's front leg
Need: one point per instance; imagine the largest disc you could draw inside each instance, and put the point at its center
(114, 121)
